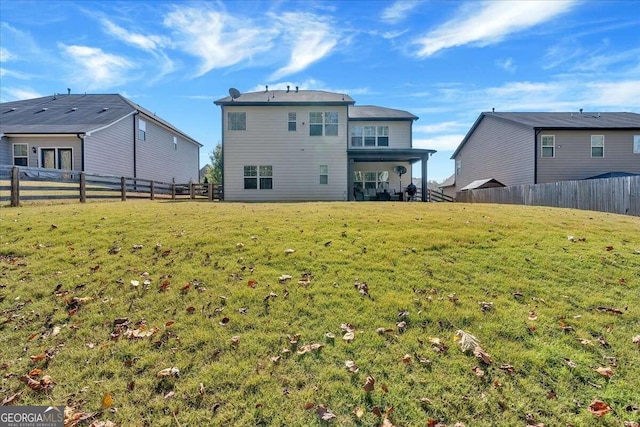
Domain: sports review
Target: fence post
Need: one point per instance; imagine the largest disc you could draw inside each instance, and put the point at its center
(15, 186)
(210, 191)
(173, 191)
(192, 193)
(152, 190)
(123, 189)
(83, 187)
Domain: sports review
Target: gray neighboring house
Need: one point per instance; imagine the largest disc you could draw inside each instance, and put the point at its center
(103, 134)
(534, 148)
(309, 145)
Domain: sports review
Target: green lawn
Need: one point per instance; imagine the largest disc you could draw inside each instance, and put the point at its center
(98, 302)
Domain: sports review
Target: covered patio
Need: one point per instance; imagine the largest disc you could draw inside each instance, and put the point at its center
(362, 159)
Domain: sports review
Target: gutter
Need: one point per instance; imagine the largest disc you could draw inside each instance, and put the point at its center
(111, 124)
(81, 138)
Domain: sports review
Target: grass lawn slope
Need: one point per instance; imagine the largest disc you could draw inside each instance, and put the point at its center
(189, 314)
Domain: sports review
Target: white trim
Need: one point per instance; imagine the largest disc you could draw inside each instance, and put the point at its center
(55, 156)
(13, 152)
(636, 144)
(110, 124)
(542, 146)
(592, 147)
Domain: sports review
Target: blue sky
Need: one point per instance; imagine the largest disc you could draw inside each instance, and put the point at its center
(444, 61)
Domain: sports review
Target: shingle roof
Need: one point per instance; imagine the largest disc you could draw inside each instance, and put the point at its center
(290, 97)
(574, 120)
(372, 112)
(567, 120)
(70, 114)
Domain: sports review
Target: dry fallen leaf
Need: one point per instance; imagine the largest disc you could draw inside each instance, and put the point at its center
(607, 372)
(107, 400)
(324, 413)
(599, 408)
(349, 336)
(169, 372)
(479, 372)
(369, 384)
(351, 366)
(309, 348)
(358, 412)
(406, 359)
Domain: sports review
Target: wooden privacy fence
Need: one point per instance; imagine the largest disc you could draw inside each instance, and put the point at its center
(616, 195)
(19, 184)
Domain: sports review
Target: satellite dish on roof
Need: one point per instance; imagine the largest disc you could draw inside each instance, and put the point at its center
(400, 170)
(235, 93)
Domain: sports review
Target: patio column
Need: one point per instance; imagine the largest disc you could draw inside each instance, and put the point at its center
(350, 166)
(425, 181)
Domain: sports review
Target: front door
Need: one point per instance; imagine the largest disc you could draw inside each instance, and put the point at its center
(64, 159)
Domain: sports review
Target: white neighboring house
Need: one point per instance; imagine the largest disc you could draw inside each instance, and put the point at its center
(309, 145)
(103, 134)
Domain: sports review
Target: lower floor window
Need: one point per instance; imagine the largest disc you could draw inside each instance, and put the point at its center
(258, 177)
(20, 155)
(324, 174)
(371, 180)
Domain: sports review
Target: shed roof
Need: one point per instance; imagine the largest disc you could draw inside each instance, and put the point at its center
(372, 112)
(288, 97)
(482, 183)
(71, 114)
(560, 121)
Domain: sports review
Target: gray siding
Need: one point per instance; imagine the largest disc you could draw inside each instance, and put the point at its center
(41, 142)
(158, 159)
(573, 155)
(497, 149)
(6, 157)
(110, 150)
(294, 155)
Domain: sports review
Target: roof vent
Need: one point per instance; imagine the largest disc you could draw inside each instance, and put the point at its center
(105, 108)
(581, 111)
(44, 109)
(287, 88)
(266, 88)
(296, 89)
(74, 109)
(13, 109)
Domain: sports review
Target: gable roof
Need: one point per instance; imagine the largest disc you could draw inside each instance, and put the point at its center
(71, 114)
(372, 112)
(288, 97)
(560, 121)
(482, 183)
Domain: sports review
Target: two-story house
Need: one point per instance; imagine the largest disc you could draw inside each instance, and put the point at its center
(96, 133)
(288, 145)
(534, 148)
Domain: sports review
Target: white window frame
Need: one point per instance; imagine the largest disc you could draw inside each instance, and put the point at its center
(292, 123)
(361, 178)
(357, 136)
(601, 137)
(324, 174)
(56, 156)
(13, 153)
(382, 132)
(261, 173)
(369, 136)
(175, 143)
(236, 120)
(324, 123)
(142, 130)
(552, 146)
(636, 144)
(458, 167)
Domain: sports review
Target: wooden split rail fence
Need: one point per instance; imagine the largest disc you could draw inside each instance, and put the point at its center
(19, 184)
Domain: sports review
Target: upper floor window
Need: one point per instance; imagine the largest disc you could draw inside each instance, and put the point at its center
(597, 145)
(636, 144)
(142, 130)
(323, 123)
(548, 146)
(292, 122)
(383, 136)
(237, 121)
(458, 167)
(175, 143)
(20, 155)
(370, 136)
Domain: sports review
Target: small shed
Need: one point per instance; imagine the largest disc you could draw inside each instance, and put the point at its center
(612, 175)
(483, 183)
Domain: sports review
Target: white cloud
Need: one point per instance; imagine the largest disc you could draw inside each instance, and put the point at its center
(439, 127)
(152, 44)
(440, 143)
(6, 55)
(398, 11)
(96, 69)
(507, 65)
(490, 23)
(217, 38)
(310, 84)
(17, 94)
(310, 41)
(620, 95)
(149, 43)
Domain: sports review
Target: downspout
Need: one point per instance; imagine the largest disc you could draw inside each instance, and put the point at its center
(81, 138)
(224, 190)
(535, 154)
(135, 148)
